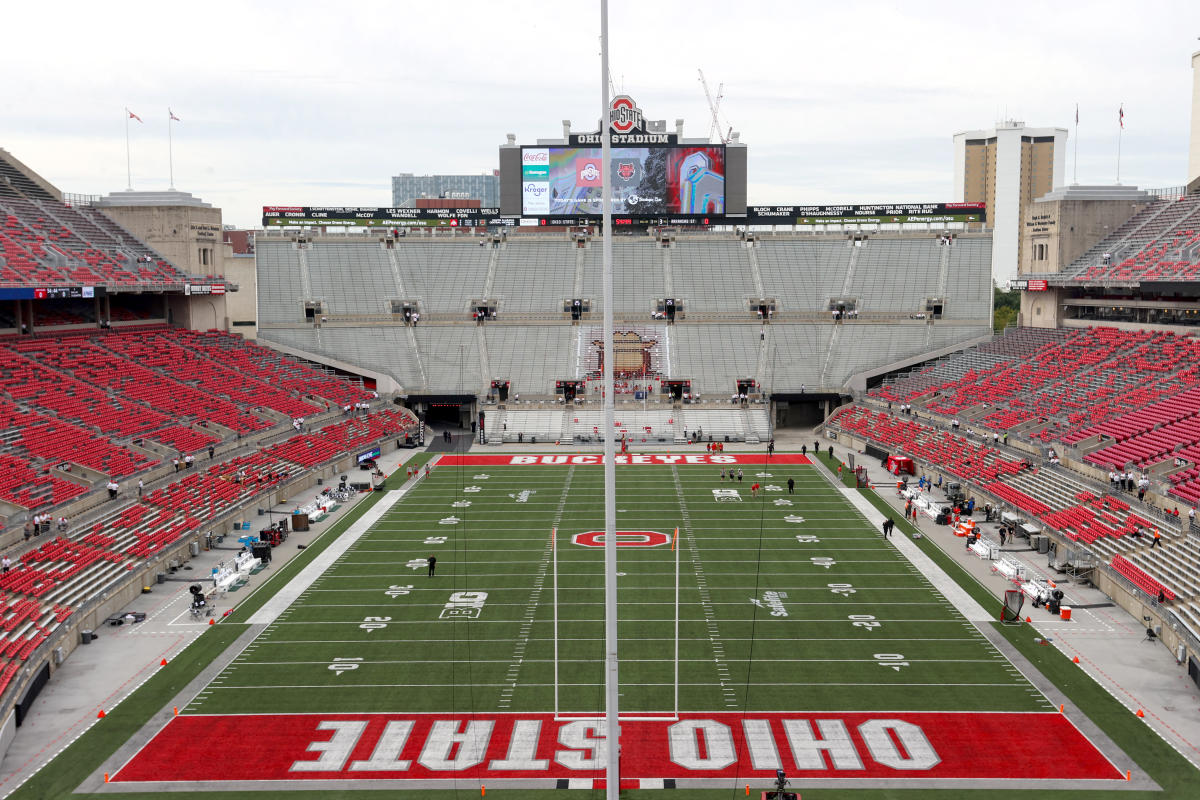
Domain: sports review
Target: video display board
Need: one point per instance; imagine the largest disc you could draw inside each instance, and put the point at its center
(653, 181)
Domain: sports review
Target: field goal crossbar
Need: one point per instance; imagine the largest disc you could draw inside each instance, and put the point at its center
(560, 716)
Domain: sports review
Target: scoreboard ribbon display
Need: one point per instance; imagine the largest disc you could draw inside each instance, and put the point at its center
(873, 214)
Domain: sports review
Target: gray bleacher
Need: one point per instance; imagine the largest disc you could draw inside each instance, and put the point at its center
(711, 275)
(534, 276)
(383, 349)
(896, 275)
(532, 357)
(864, 347)
(970, 298)
(450, 356)
(713, 357)
(795, 356)
(280, 295)
(637, 275)
(351, 277)
(803, 273)
(445, 275)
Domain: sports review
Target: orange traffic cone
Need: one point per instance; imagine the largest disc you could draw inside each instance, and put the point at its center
(102, 715)
(162, 663)
(1075, 660)
(1141, 714)
(1029, 619)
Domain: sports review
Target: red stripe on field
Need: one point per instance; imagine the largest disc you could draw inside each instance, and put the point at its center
(646, 459)
(261, 747)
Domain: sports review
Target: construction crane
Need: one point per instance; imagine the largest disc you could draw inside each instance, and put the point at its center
(714, 106)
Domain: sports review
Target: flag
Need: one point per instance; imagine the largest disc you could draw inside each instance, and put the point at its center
(1121, 115)
(171, 114)
(133, 115)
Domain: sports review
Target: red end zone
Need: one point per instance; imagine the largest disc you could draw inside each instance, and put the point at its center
(699, 745)
(645, 459)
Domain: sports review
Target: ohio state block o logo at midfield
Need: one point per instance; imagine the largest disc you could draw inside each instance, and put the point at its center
(624, 539)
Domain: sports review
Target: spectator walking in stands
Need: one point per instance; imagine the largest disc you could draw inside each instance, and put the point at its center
(141, 486)
(1192, 516)
(791, 485)
(62, 524)
(1143, 485)
(188, 461)
(211, 452)
(5, 563)
(1157, 540)
(1003, 536)
(432, 565)
(113, 488)
(28, 529)
(175, 463)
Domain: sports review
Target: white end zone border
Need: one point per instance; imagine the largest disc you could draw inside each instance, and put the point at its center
(958, 597)
(283, 598)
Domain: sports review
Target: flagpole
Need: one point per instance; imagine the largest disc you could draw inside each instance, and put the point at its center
(1120, 135)
(170, 149)
(128, 164)
(1075, 169)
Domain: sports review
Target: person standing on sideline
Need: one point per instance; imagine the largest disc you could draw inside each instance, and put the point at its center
(770, 448)
(432, 565)
(804, 450)
(722, 474)
(791, 485)
(754, 490)
(739, 474)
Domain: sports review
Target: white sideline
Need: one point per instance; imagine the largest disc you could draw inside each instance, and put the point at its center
(957, 596)
(298, 585)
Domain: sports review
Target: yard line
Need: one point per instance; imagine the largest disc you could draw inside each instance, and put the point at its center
(723, 675)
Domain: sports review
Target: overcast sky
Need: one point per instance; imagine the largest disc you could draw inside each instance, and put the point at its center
(303, 103)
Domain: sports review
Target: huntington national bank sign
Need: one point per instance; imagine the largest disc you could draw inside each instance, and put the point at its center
(628, 127)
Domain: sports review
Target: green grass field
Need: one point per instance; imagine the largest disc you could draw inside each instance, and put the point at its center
(732, 653)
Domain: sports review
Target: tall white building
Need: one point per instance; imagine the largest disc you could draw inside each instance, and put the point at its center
(1007, 167)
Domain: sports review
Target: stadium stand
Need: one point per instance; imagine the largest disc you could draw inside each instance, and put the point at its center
(717, 340)
(54, 239)
(1160, 242)
(80, 408)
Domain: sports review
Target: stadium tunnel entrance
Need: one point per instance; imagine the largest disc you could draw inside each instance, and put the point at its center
(453, 410)
(804, 410)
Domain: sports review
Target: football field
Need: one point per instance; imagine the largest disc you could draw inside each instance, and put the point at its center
(777, 631)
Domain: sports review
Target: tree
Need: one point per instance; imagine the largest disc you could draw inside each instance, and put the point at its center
(1005, 307)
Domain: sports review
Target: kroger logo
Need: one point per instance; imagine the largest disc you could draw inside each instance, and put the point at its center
(536, 189)
(535, 157)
